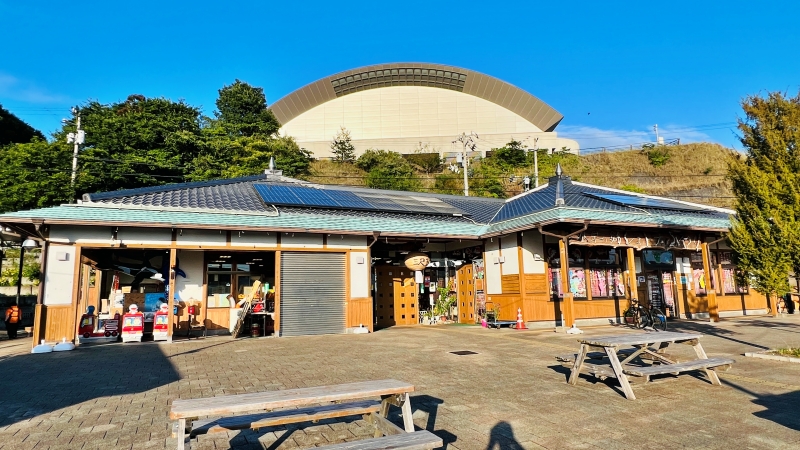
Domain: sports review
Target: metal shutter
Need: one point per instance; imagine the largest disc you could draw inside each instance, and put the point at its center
(312, 293)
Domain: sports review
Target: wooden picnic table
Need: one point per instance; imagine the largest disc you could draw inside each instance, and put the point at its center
(646, 346)
(257, 410)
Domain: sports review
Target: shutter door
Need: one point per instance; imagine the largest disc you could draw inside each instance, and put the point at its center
(312, 293)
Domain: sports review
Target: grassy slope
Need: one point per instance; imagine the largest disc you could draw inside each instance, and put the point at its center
(694, 172)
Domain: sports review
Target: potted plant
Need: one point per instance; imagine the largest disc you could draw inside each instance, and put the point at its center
(441, 308)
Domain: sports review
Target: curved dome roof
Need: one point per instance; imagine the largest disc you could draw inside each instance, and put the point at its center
(440, 76)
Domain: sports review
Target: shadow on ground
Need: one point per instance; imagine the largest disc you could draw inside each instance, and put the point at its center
(42, 383)
(711, 330)
(780, 408)
(502, 438)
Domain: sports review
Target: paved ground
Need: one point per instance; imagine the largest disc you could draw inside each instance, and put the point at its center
(512, 394)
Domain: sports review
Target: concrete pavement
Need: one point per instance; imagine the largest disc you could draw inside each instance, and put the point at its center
(511, 394)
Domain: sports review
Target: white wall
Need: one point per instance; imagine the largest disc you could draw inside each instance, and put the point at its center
(201, 237)
(190, 287)
(359, 275)
(399, 118)
(347, 241)
(301, 240)
(155, 236)
(253, 239)
(493, 276)
(59, 276)
(81, 235)
(508, 250)
(532, 245)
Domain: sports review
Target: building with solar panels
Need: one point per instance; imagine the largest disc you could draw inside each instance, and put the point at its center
(417, 107)
(270, 255)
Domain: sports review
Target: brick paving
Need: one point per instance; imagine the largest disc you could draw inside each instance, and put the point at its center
(510, 395)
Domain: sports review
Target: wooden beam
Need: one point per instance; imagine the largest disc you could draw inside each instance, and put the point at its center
(567, 305)
(633, 287)
(711, 293)
(521, 262)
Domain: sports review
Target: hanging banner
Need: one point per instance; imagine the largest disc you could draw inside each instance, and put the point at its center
(638, 239)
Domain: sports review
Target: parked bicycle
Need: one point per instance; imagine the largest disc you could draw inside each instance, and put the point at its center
(640, 317)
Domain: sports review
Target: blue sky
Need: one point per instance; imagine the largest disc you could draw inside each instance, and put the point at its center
(612, 68)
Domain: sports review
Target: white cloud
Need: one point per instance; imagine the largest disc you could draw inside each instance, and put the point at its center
(594, 139)
(24, 91)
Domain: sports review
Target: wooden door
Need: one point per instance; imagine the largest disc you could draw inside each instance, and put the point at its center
(465, 294)
(397, 299)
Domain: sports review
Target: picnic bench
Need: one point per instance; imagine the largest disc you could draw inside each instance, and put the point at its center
(646, 347)
(273, 408)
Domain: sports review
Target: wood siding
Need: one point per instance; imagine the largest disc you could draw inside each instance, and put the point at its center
(59, 322)
(359, 311)
(465, 294)
(510, 284)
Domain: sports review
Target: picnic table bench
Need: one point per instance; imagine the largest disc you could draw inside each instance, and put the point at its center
(308, 404)
(642, 344)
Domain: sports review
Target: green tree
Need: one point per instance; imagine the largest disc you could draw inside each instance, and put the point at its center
(765, 235)
(512, 155)
(14, 130)
(342, 147)
(388, 170)
(135, 143)
(242, 111)
(35, 175)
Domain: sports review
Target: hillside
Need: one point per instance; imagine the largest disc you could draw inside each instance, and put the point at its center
(692, 172)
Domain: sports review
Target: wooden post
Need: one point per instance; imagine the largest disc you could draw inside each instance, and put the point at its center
(173, 261)
(711, 293)
(521, 262)
(277, 322)
(567, 306)
(633, 288)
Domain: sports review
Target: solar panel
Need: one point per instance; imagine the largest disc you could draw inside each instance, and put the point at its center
(643, 202)
(340, 199)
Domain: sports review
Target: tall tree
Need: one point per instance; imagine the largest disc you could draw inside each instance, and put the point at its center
(34, 175)
(138, 142)
(765, 235)
(14, 130)
(342, 147)
(242, 111)
(388, 170)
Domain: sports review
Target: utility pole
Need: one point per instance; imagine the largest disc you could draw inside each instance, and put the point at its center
(468, 142)
(77, 138)
(536, 162)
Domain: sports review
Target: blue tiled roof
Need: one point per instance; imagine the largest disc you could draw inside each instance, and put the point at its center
(235, 202)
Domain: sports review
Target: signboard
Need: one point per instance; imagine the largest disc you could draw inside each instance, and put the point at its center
(638, 239)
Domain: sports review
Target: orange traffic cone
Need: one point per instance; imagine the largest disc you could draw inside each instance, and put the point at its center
(520, 323)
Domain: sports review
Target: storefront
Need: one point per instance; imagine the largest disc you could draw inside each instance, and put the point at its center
(324, 259)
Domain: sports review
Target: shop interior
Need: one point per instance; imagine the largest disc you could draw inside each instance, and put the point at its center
(220, 292)
(403, 297)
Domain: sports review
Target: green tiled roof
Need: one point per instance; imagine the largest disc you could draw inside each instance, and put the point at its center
(405, 225)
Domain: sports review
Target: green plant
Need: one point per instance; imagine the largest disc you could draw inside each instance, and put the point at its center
(658, 156)
(787, 351)
(444, 302)
(708, 170)
(632, 188)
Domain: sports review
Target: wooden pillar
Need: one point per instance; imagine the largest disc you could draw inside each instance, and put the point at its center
(568, 305)
(173, 261)
(38, 314)
(633, 288)
(711, 293)
(521, 262)
(76, 293)
(277, 321)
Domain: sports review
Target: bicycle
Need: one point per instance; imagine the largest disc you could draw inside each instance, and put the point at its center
(641, 317)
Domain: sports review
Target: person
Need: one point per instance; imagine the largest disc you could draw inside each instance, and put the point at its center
(12, 320)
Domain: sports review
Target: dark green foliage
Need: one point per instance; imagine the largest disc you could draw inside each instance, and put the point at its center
(14, 130)
(657, 155)
(387, 170)
(426, 162)
(139, 142)
(34, 175)
(512, 155)
(242, 111)
(765, 236)
(230, 158)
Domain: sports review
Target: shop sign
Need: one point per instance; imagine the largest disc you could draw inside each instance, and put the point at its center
(638, 240)
(417, 261)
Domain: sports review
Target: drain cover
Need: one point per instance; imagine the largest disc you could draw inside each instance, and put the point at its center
(464, 352)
